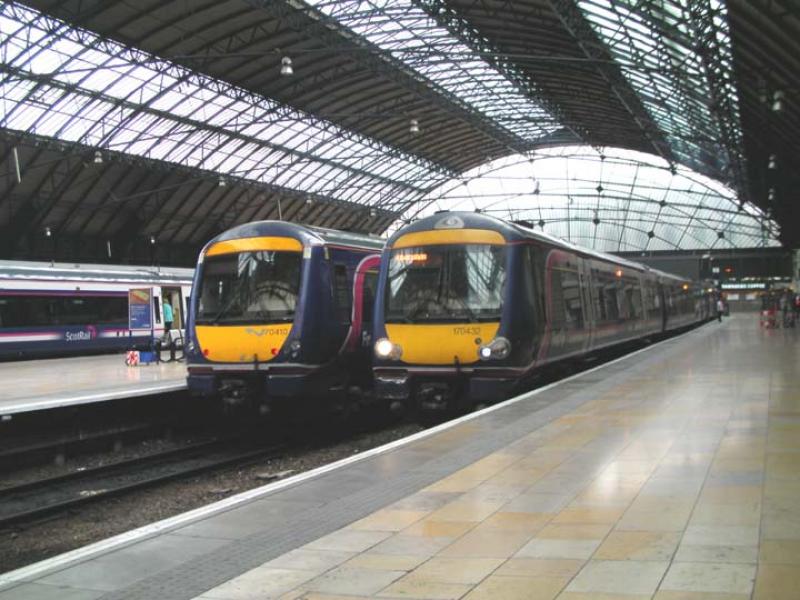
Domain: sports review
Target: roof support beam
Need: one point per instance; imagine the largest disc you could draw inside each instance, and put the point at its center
(572, 18)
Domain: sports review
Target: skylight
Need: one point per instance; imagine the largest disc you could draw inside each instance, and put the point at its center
(618, 201)
(74, 86)
(413, 37)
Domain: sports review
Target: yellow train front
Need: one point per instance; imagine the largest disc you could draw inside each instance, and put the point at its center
(281, 317)
(440, 339)
(470, 308)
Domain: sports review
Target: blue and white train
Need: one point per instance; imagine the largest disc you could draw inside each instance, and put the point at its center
(66, 309)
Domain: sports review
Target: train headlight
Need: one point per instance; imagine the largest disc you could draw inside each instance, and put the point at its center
(294, 349)
(190, 347)
(385, 348)
(498, 349)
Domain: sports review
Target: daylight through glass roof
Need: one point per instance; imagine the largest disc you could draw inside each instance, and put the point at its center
(413, 37)
(616, 201)
(678, 67)
(74, 86)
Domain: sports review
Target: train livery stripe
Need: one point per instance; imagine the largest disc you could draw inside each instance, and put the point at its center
(255, 244)
(449, 236)
(441, 344)
(242, 343)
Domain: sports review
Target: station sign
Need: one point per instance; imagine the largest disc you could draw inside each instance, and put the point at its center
(140, 308)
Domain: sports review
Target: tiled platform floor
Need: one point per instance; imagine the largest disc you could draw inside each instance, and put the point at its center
(49, 383)
(673, 474)
(697, 498)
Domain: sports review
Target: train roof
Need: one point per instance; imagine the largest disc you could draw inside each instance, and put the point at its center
(517, 232)
(10, 269)
(307, 234)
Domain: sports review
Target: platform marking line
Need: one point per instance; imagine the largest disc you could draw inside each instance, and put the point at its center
(22, 406)
(84, 553)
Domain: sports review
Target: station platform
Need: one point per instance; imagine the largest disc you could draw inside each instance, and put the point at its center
(45, 384)
(672, 473)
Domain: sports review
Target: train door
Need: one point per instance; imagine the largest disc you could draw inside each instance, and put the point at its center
(174, 296)
(589, 322)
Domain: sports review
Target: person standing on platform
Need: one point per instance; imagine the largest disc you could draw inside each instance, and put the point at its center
(168, 316)
(720, 309)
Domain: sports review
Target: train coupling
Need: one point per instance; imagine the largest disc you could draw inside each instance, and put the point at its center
(434, 396)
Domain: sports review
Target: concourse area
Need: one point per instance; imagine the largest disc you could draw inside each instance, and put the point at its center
(671, 473)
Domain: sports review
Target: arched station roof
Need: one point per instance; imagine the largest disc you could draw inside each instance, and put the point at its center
(157, 113)
(619, 201)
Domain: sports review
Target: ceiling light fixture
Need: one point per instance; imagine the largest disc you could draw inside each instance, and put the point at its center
(773, 162)
(413, 126)
(286, 67)
(777, 100)
(98, 157)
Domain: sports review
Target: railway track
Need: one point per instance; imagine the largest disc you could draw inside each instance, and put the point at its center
(32, 500)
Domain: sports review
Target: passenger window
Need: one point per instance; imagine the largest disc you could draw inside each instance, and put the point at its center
(342, 292)
(157, 307)
(571, 294)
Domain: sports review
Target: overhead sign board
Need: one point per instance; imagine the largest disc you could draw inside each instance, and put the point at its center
(140, 308)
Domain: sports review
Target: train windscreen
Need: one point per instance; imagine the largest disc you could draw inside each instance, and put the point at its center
(446, 283)
(249, 288)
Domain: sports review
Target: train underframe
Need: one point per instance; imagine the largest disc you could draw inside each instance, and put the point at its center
(275, 391)
(408, 392)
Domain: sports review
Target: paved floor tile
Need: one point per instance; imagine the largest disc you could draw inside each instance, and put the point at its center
(742, 514)
(588, 515)
(619, 577)
(412, 545)
(777, 582)
(497, 587)
(457, 570)
(555, 548)
(434, 528)
(412, 586)
(488, 543)
(540, 567)
(347, 580)
(516, 521)
(310, 560)
(574, 531)
(385, 562)
(710, 577)
(673, 595)
(721, 535)
(600, 596)
(780, 552)
(638, 545)
(717, 554)
(389, 520)
(260, 583)
(348, 540)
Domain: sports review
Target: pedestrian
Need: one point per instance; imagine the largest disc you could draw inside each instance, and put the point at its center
(720, 309)
(168, 316)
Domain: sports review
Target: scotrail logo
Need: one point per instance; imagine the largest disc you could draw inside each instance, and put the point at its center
(82, 336)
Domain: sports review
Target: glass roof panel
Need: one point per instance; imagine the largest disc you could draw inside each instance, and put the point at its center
(614, 200)
(73, 85)
(413, 37)
(659, 54)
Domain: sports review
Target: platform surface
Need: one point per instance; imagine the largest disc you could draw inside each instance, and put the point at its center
(672, 474)
(55, 382)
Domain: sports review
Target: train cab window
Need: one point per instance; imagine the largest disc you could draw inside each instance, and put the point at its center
(157, 308)
(342, 293)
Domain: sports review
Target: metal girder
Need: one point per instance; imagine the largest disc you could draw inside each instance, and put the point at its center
(572, 18)
(460, 27)
(704, 21)
(372, 58)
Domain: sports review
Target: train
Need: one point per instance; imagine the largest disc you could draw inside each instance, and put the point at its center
(61, 309)
(471, 308)
(454, 311)
(282, 316)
